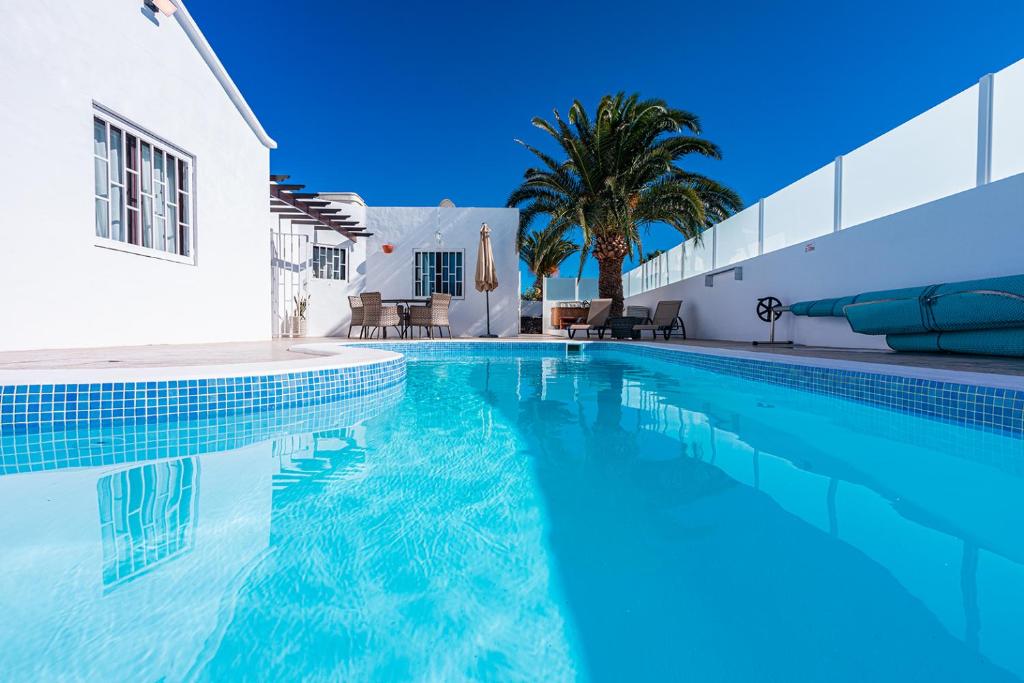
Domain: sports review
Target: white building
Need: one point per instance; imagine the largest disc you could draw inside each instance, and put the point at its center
(129, 147)
(102, 97)
(409, 253)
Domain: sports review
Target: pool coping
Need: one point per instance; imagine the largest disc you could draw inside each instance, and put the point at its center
(340, 358)
(56, 399)
(983, 379)
(985, 402)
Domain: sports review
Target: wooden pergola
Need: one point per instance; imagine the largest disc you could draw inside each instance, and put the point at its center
(306, 208)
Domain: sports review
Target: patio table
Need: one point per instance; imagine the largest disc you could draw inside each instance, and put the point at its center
(404, 304)
(622, 328)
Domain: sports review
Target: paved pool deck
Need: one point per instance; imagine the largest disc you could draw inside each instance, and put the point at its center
(281, 351)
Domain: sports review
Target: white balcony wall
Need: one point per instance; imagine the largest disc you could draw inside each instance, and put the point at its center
(920, 246)
(674, 258)
(636, 280)
(698, 257)
(967, 141)
(931, 156)
(737, 237)
(586, 289)
(558, 289)
(801, 211)
(1008, 122)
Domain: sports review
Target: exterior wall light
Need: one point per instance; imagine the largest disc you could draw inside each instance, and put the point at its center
(165, 7)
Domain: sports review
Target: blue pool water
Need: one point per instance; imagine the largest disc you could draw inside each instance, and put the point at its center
(530, 516)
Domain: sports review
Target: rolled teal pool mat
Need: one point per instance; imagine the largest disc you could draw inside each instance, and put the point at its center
(989, 303)
(1004, 342)
(835, 307)
(978, 304)
(888, 316)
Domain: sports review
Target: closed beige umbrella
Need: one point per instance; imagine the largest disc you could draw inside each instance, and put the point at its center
(486, 274)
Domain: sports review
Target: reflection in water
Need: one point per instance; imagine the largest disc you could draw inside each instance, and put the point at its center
(577, 518)
(147, 516)
(704, 510)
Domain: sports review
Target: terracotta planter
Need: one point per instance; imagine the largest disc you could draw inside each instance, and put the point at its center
(387, 248)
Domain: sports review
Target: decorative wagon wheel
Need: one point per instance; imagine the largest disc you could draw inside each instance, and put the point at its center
(768, 308)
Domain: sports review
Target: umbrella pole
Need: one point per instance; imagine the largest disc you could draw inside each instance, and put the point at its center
(487, 294)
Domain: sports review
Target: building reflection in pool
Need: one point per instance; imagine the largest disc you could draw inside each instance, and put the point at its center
(147, 517)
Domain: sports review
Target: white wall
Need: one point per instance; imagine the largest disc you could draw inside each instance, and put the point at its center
(414, 228)
(329, 313)
(61, 290)
(1007, 114)
(977, 233)
(933, 155)
(968, 140)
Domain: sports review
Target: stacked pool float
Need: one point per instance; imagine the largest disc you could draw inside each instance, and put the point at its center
(984, 317)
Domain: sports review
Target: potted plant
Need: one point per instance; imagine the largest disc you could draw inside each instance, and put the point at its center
(297, 321)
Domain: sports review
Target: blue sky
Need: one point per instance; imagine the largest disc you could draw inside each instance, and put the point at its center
(409, 103)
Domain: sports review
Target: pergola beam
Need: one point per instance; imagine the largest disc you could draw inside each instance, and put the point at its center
(285, 205)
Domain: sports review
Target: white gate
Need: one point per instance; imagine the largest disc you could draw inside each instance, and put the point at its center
(290, 264)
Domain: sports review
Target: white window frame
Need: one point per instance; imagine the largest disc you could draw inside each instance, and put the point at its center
(415, 263)
(156, 143)
(344, 262)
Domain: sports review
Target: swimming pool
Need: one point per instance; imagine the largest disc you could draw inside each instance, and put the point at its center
(520, 512)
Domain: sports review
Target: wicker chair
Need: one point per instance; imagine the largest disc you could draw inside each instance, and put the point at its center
(356, 304)
(435, 314)
(377, 316)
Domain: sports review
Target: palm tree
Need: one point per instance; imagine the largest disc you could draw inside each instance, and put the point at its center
(544, 251)
(620, 173)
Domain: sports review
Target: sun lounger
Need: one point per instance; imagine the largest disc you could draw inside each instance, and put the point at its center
(666, 319)
(597, 319)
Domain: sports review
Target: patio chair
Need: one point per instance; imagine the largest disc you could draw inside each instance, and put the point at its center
(434, 314)
(597, 319)
(356, 304)
(666, 320)
(377, 316)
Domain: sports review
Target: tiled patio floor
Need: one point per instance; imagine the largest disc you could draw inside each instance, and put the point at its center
(278, 350)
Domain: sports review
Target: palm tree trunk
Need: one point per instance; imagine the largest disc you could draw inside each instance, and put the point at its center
(610, 252)
(538, 283)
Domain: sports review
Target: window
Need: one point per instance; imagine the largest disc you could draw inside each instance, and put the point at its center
(329, 262)
(143, 189)
(438, 271)
(147, 517)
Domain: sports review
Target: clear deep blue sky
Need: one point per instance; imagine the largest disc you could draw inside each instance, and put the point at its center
(408, 103)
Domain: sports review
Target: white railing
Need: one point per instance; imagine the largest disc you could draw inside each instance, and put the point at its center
(971, 139)
(558, 289)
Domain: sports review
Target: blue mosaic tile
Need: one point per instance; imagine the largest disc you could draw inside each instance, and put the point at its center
(987, 408)
(30, 408)
(26, 409)
(90, 446)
